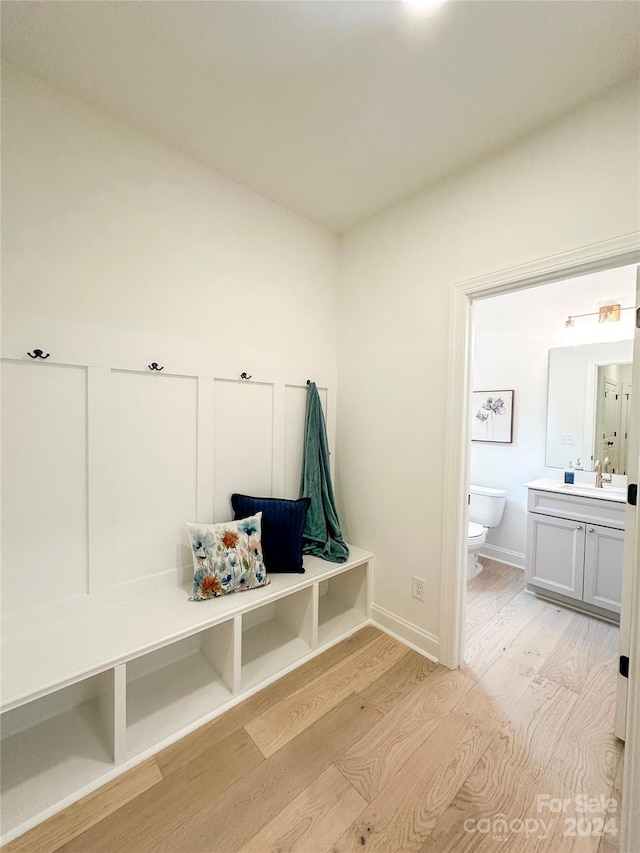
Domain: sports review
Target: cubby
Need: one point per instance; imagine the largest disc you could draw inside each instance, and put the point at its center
(55, 746)
(86, 699)
(276, 636)
(342, 604)
(178, 684)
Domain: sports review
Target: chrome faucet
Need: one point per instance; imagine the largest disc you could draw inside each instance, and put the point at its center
(599, 478)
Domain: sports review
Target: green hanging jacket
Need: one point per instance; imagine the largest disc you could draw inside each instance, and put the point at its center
(321, 536)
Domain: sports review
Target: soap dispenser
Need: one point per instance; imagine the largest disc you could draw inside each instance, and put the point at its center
(569, 475)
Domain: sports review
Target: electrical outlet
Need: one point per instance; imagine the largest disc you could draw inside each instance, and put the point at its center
(417, 588)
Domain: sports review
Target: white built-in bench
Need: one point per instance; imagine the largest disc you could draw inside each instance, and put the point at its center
(85, 699)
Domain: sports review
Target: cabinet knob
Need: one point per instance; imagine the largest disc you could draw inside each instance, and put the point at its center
(591, 530)
(579, 527)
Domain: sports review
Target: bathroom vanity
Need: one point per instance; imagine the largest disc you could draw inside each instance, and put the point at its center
(575, 542)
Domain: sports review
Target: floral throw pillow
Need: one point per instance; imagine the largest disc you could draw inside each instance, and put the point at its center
(226, 557)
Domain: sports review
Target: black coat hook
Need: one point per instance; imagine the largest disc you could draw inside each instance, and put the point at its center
(37, 353)
(154, 366)
(308, 382)
(244, 376)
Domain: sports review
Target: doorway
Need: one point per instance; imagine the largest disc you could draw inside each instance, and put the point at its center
(612, 416)
(546, 368)
(612, 254)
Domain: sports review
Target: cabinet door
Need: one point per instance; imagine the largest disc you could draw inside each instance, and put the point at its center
(555, 554)
(603, 557)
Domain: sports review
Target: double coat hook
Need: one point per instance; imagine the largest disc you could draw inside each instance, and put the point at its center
(37, 353)
(243, 375)
(154, 366)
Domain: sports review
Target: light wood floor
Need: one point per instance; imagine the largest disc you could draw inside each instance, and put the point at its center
(370, 746)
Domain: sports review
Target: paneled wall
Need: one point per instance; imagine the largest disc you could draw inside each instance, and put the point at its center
(103, 465)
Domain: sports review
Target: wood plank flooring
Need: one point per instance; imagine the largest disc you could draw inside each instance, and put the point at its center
(372, 747)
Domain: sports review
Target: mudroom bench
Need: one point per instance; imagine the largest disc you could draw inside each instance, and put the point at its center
(87, 698)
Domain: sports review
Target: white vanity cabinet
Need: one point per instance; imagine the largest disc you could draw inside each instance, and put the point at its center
(575, 542)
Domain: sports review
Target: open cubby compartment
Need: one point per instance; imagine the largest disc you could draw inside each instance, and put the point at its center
(276, 636)
(56, 745)
(342, 604)
(175, 686)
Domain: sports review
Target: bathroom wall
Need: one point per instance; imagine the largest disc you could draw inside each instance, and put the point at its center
(511, 341)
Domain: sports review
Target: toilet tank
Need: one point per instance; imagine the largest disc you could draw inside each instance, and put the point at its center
(486, 505)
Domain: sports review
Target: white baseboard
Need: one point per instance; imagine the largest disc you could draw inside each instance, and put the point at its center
(420, 641)
(503, 555)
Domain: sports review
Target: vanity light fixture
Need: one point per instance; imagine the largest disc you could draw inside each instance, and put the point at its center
(606, 314)
(609, 313)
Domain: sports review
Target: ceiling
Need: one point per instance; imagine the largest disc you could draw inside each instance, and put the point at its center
(335, 109)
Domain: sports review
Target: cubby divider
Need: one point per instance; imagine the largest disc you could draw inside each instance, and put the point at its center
(112, 698)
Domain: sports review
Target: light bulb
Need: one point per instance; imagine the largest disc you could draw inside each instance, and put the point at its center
(423, 7)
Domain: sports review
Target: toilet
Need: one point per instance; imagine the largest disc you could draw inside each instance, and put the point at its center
(485, 510)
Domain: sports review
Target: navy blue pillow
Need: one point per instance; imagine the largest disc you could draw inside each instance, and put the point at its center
(282, 526)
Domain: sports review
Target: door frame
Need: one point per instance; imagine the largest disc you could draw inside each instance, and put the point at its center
(619, 251)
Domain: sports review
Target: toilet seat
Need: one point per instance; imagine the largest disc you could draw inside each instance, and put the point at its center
(476, 537)
(476, 531)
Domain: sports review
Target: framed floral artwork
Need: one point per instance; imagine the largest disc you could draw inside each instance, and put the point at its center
(492, 416)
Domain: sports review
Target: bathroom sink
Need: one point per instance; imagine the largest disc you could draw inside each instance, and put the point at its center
(611, 493)
(585, 490)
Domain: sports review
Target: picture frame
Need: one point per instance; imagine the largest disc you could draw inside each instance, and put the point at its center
(492, 416)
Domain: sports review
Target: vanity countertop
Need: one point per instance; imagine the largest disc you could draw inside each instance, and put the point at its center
(585, 490)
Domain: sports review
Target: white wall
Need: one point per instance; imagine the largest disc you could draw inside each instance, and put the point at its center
(118, 251)
(573, 184)
(512, 336)
(103, 225)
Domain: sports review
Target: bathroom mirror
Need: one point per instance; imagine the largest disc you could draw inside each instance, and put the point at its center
(588, 405)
